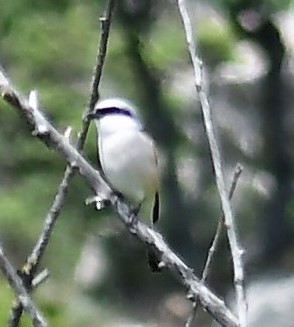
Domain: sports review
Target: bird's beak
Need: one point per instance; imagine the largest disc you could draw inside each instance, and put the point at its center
(92, 115)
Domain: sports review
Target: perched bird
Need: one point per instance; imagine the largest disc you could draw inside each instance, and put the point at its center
(128, 159)
(127, 154)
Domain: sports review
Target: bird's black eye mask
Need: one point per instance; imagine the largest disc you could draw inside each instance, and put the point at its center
(98, 114)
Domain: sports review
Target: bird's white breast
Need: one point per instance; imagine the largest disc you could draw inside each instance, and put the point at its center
(129, 164)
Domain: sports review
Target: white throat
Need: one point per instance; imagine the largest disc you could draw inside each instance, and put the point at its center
(114, 123)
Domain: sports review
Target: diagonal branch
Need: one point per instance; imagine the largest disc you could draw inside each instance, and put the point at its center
(152, 239)
(33, 260)
(212, 250)
(20, 291)
(217, 165)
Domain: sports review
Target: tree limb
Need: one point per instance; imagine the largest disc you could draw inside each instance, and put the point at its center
(33, 260)
(235, 248)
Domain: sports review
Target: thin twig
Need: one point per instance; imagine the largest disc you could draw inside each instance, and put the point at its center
(152, 239)
(40, 278)
(33, 260)
(212, 250)
(20, 291)
(235, 248)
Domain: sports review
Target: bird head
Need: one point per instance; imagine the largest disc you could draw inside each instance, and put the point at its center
(114, 114)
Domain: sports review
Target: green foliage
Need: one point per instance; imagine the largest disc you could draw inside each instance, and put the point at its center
(217, 41)
(164, 51)
(6, 300)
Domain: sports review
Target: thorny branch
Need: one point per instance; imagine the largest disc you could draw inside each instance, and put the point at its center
(152, 239)
(217, 165)
(33, 260)
(212, 250)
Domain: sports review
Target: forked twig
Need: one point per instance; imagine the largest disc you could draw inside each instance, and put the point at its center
(212, 250)
(235, 248)
(33, 260)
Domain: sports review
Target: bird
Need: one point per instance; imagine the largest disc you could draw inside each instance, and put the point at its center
(127, 154)
(128, 159)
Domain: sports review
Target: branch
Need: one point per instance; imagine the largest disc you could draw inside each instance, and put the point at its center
(20, 291)
(216, 160)
(33, 260)
(236, 175)
(40, 278)
(153, 240)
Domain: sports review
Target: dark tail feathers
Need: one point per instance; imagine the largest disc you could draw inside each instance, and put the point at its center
(156, 208)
